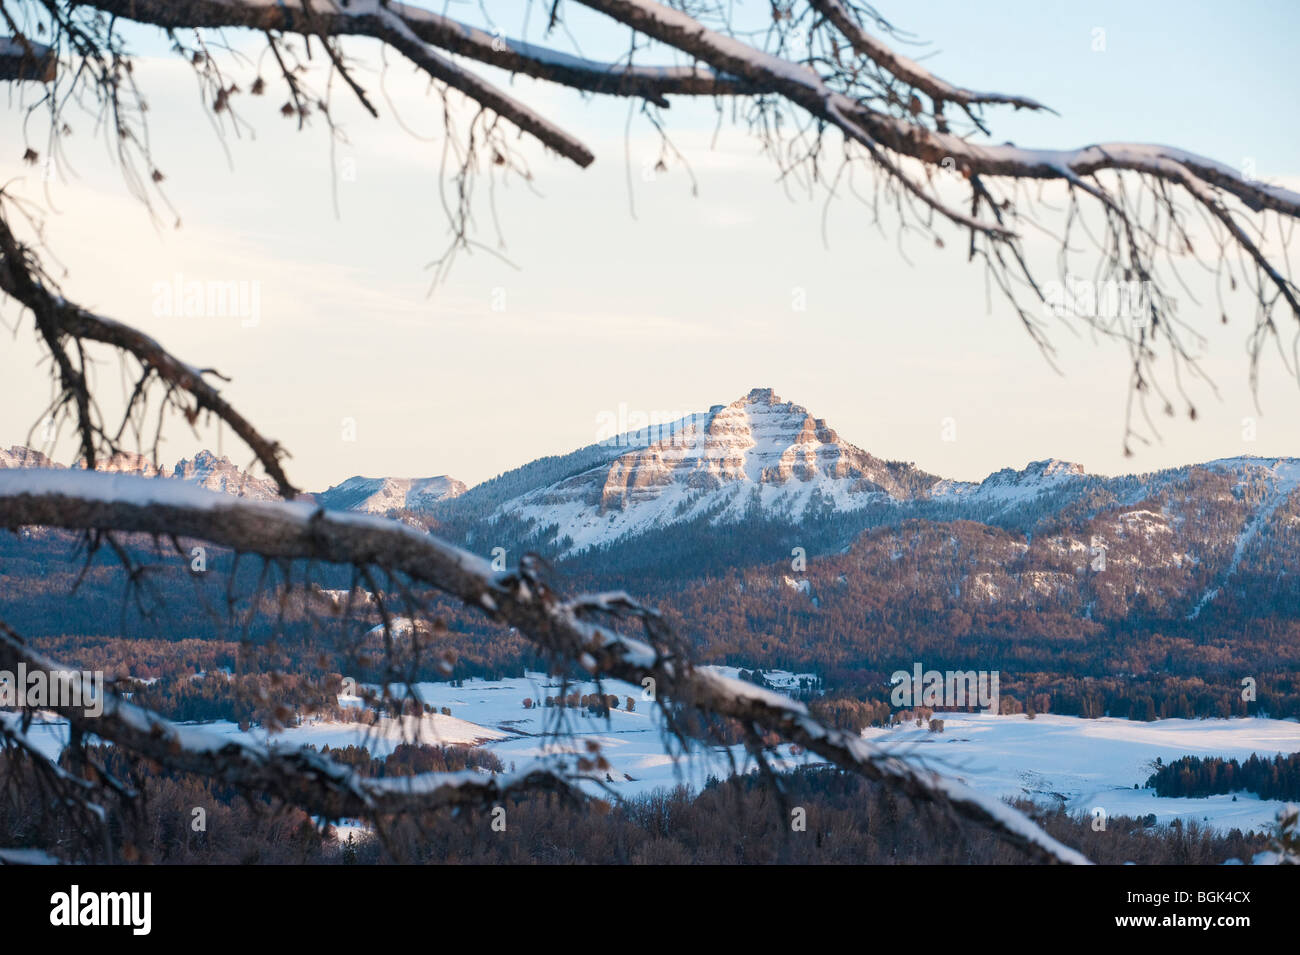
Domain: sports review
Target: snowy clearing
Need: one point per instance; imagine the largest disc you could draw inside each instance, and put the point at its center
(1077, 763)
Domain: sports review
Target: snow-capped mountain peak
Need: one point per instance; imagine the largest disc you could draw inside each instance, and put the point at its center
(381, 495)
(220, 474)
(758, 454)
(1034, 474)
(1010, 486)
(21, 457)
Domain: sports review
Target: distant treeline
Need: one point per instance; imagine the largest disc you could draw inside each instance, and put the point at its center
(1276, 778)
(410, 759)
(742, 820)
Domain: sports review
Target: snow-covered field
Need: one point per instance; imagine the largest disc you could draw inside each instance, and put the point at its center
(491, 714)
(1086, 764)
(632, 742)
(1056, 760)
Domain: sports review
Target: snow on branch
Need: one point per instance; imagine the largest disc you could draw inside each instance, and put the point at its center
(26, 857)
(12, 733)
(653, 83)
(84, 500)
(910, 72)
(334, 18)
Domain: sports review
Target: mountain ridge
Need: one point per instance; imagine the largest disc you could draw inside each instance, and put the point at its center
(756, 461)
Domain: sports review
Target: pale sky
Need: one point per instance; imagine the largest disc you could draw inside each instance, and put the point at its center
(683, 304)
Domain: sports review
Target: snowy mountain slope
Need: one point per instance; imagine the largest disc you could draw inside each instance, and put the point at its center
(1008, 488)
(757, 455)
(381, 495)
(483, 500)
(1282, 478)
(762, 460)
(776, 476)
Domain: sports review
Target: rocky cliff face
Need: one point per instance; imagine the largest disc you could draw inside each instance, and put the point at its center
(218, 474)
